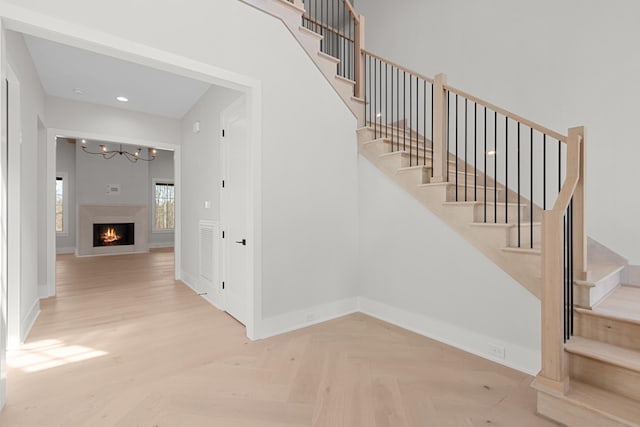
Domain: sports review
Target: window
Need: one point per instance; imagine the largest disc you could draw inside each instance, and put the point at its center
(61, 204)
(164, 206)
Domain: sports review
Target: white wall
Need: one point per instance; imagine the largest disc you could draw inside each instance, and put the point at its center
(308, 177)
(418, 273)
(66, 162)
(98, 119)
(93, 174)
(561, 64)
(31, 109)
(201, 176)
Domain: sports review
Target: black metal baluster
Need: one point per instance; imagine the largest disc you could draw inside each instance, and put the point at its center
(410, 120)
(448, 109)
(456, 147)
(379, 113)
(386, 101)
(544, 171)
(432, 155)
(475, 152)
(531, 189)
(375, 96)
(571, 269)
(398, 106)
(559, 165)
(564, 274)
(518, 171)
(495, 167)
(417, 122)
(424, 122)
(466, 133)
(506, 170)
(404, 111)
(392, 87)
(486, 172)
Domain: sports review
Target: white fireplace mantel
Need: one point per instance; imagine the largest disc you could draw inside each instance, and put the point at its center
(100, 214)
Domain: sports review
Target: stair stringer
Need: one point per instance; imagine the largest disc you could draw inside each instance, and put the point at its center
(524, 266)
(291, 16)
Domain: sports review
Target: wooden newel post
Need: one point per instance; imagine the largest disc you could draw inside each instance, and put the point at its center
(440, 152)
(579, 235)
(359, 66)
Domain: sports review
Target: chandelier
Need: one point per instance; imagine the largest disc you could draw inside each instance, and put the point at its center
(132, 157)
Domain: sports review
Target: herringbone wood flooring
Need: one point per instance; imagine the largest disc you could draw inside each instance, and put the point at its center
(123, 344)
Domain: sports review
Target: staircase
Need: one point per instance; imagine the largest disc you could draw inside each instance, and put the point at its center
(513, 189)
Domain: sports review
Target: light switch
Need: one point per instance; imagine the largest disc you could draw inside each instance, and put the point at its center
(207, 204)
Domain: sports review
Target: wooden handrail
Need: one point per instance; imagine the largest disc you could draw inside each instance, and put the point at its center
(394, 64)
(329, 28)
(509, 114)
(353, 12)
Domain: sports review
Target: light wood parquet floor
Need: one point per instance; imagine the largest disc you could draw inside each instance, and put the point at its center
(123, 344)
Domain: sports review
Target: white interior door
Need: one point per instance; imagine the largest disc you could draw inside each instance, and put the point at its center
(233, 212)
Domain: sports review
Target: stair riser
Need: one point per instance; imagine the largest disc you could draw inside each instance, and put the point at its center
(344, 89)
(365, 135)
(477, 195)
(525, 236)
(392, 162)
(589, 296)
(328, 67)
(611, 331)
(475, 213)
(374, 148)
(571, 414)
(413, 177)
(498, 214)
(606, 376)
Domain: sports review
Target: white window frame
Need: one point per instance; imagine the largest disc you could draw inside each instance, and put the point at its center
(65, 204)
(155, 181)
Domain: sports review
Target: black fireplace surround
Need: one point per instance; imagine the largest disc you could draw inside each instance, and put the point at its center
(114, 234)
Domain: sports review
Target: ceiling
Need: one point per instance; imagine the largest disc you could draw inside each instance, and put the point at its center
(63, 70)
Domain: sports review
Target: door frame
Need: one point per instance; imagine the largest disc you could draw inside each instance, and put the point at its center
(237, 108)
(25, 21)
(51, 172)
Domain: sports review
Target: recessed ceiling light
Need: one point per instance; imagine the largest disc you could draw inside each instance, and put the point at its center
(78, 91)
(122, 99)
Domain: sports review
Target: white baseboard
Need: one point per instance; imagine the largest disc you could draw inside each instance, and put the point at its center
(158, 245)
(288, 322)
(189, 280)
(517, 357)
(29, 320)
(197, 287)
(61, 251)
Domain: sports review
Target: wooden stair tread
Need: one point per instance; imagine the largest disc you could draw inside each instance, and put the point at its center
(623, 304)
(328, 57)
(524, 251)
(503, 225)
(453, 184)
(607, 315)
(603, 352)
(612, 405)
(599, 272)
(311, 32)
(346, 80)
(480, 203)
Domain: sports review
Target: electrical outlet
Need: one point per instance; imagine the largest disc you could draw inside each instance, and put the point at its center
(311, 317)
(497, 351)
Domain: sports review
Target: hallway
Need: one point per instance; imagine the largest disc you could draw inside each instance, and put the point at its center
(123, 344)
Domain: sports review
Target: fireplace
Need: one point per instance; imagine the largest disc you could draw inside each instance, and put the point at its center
(114, 234)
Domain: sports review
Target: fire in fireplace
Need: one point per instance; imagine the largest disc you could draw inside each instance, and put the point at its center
(113, 234)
